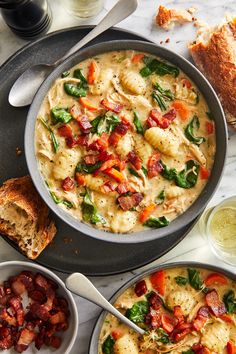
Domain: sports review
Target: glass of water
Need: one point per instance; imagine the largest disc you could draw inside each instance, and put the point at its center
(83, 8)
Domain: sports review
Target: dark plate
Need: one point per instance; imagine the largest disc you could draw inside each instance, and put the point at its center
(71, 251)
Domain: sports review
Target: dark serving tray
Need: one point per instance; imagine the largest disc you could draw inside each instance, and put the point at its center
(71, 250)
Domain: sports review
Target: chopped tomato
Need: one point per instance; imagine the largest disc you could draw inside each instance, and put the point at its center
(186, 83)
(227, 318)
(158, 281)
(204, 173)
(108, 187)
(117, 175)
(93, 72)
(111, 106)
(178, 313)
(231, 347)
(210, 128)
(65, 131)
(116, 334)
(75, 111)
(216, 305)
(67, 184)
(146, 212)
(154, 166)
(135, 160)
(215, 278)
(182, 109)
(80, 179)
(86, 103)
(136, 58)
(199, 322)
(101, 144)
(168, 322)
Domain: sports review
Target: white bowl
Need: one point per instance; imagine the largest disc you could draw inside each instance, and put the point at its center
(11, 268)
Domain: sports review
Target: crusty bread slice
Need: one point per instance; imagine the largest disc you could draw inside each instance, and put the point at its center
(166, 18)
(24, 216)
(214, 52)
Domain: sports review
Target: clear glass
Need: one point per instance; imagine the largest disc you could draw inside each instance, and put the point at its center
(83, 8)
(219, 226)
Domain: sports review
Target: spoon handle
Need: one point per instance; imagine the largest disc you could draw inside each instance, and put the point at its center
(119, 12)
(80, 285)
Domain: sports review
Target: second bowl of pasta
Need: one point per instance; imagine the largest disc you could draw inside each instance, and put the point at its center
(126, 141)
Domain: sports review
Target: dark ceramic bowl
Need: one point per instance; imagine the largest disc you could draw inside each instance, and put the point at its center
(93, 346)
(221, 141)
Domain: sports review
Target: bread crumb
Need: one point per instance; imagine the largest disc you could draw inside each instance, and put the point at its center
(18, 151)
(167, 40)
(166, 18)
(77, 251)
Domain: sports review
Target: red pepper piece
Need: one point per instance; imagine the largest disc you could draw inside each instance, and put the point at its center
(158, 281)
(168, 322)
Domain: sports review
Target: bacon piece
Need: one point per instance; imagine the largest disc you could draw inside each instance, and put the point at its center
(55, 342)
(128, 202)
(178, 313)
(140, 288)
(27, 278)
(135, 160)
(6, 340)
(153, 318)
(121, 129)
(68, 184)
(111, 106)
(168, 322)
(5, 316)
(100, 144)
(108, 187)
(7, 288)
(16, 304)
(151, 122)
(163, 121)
(154, 166)
(37, 295)
(104, 156)
(75, 111)
(41, 282)
(80, 179)
(84, 124)
(79, 140)
(18, 287)
(25, 339)
(108, 164)
(65, 131)
(123, 187)
(155, 301)
(59, 317)
(204, 311)
(114, 138)
(39, 311)
(216, 305)
(39, 340)
(91, 159)
(199, 322)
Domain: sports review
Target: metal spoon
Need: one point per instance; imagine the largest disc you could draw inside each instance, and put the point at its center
(80, 285)
(25, 87)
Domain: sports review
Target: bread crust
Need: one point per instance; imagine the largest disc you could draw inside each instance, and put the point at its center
(166, 18)
(217, 61)
(21, 193)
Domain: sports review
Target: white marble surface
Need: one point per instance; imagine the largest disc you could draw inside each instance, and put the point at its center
(194, 246)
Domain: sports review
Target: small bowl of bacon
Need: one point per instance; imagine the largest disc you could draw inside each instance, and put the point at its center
(37, 312)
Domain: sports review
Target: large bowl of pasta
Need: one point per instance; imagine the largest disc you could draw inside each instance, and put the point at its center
(184, 307)
(126, 141)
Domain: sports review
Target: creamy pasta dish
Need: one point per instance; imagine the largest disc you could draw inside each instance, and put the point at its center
(125, 141)
(182, 310)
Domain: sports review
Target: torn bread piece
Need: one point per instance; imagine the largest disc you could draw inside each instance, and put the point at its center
(24, 216)
(166, 18)
(214, 52)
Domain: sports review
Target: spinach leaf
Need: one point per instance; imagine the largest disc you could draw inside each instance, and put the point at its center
(61, 115)
(194, 279)
(210, 115)
(133, 172)
(157, 222)
(164, 337)
(168, 173)
(82, 166)
(187, 178)
(167, 94)
(57, 200)
(65, 74)
(145, 171)
(138, 311)
(181, 280)
(189, 351)
(108, 344)
(160, 100)
(78, 75)
(138, 124)
(189, 131)
(230, 301)
(89, 210)
(52, 135)
(157, 66)
(160, 198)
(76, 90)
(104, 124)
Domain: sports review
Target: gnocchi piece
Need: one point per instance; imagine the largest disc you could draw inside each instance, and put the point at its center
(143, 148)
(182, 298)
(65, 162)
(103, 82)
(94, 183)
(125, 145)
(125, 344)
(133, 82)
(123, 221)
(184, 93)
(174, 192)
(163, 140)
(215, 336)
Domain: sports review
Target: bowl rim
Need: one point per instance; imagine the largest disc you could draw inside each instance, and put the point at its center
(93, 343)
(73, 306)
(190, 70)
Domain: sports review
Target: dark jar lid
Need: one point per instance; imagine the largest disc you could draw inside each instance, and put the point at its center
(11, 4)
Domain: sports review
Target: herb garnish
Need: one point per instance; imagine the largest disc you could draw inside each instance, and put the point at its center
(53, 136)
